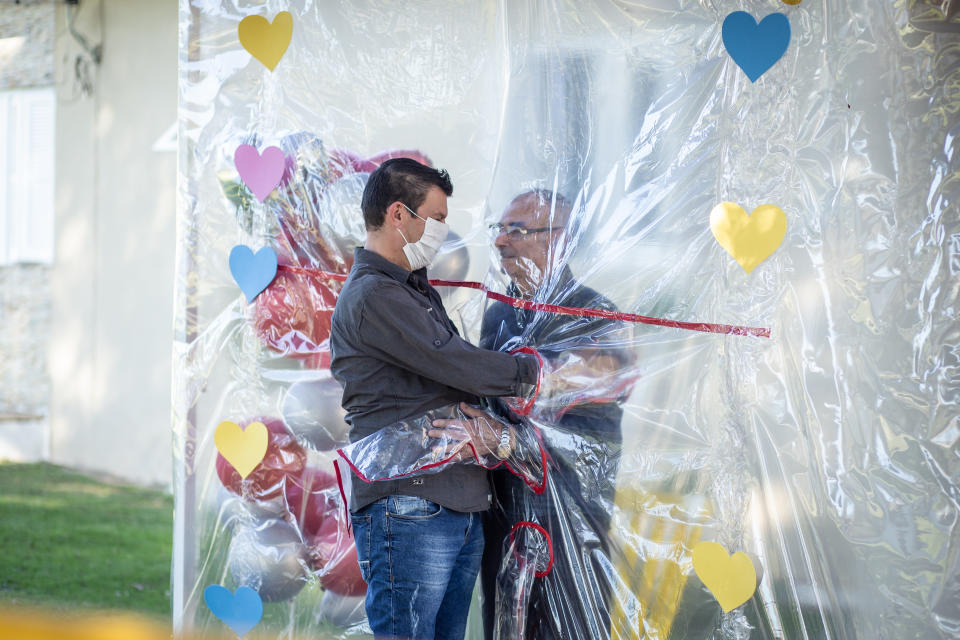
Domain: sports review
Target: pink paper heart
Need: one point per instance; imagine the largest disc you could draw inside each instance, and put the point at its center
(261, 173)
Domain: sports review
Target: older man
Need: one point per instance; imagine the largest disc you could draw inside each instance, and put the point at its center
(581, 433)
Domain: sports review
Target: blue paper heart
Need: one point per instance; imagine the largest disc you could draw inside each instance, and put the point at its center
(241, 611)
(756, 47)
(253, 273)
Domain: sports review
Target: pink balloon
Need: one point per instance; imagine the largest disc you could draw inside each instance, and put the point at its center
(260, 172)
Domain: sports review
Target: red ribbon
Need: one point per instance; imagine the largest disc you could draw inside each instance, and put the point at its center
(529, 305)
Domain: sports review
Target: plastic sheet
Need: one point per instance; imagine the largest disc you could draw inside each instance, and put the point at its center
(825, 449)
(435, 440)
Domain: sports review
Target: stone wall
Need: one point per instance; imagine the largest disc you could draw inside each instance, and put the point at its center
(25, 319)
(24, 379)
(26, 44)
(26, 61)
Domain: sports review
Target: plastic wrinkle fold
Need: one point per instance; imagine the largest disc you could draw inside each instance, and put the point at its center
(406, 449)
(523, 554)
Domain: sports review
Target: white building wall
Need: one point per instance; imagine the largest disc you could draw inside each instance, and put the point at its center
(115, 212)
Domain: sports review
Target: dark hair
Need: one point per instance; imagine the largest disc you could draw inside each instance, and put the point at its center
(400, 179)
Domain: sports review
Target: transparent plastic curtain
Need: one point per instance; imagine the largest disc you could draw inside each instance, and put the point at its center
(827, 451)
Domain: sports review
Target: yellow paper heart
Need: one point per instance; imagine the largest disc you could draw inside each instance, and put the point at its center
(243, 448)
(265, 41)
(731, 579)
(749, 239)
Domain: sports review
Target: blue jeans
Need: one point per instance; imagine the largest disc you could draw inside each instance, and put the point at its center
(420, 562)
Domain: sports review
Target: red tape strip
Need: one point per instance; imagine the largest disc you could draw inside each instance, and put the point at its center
(704, 327)
(543, 532)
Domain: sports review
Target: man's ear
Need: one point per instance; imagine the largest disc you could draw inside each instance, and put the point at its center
(395, 213)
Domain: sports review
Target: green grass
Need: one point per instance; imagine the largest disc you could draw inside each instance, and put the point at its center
(70, 541)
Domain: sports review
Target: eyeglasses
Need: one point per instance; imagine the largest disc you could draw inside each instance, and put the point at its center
(515, 231)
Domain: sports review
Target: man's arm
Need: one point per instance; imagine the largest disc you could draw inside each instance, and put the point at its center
(400, 331)
(587, 360)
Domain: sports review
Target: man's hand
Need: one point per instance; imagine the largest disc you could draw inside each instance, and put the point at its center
(580, 371)
(481, 430)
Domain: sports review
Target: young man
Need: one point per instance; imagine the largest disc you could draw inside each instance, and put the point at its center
(398, 356)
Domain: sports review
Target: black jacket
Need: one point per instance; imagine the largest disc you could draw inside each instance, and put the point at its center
(398, 355)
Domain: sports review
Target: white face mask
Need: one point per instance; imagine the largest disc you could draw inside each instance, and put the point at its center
(422, 252)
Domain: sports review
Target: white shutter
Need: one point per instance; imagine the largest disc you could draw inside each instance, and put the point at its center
(26, 213)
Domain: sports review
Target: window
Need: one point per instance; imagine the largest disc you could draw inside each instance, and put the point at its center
(26, 175)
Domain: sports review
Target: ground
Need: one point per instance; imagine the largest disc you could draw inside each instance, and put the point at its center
(72, 541)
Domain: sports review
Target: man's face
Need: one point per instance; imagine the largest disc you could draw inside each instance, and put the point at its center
(434, 206)
(525, 257)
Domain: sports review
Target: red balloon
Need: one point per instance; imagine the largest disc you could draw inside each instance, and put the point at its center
(333, 553)
(330, 542)
(310, 500)
(344, 577)
(343, 162)
(341, 571)
(284, 458)
(292, 315)
(331, 539)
